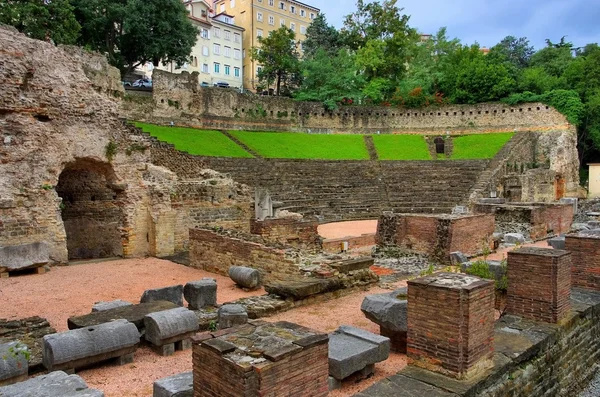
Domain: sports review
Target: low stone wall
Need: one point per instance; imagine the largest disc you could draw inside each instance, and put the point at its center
(534, 220)
(435, 235)
(300, 233)
(354, 242)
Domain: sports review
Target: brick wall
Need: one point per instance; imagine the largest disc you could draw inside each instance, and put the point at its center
(451, 323)
(585, 251)
(539, 284)
(299, 233)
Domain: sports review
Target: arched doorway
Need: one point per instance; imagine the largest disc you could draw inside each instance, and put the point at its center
(439, 145)
(91, 209)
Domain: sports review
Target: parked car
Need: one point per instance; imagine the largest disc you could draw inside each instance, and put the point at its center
(126, 83)
(143, 83)
(204, 84)
(222, 84)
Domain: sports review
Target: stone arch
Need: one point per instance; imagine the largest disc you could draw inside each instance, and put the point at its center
(91, 209)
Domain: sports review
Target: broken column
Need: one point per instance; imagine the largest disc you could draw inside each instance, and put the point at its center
(585, 268)
(261, 359)
(170, 330)
(230, 315)
(13, 363)
(245, 277)
(451, 324)
(201, 293)
(539, 283)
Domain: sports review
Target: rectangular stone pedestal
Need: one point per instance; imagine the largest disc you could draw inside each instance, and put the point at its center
(451, 324)
(585, 269)
(539, 284)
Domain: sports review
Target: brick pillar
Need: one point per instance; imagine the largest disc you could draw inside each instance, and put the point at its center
(585, 269)
(451, 323)
(539, 284)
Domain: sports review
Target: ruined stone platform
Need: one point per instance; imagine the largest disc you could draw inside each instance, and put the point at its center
(30, 332)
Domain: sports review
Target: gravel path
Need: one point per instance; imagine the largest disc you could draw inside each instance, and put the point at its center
(346, 229)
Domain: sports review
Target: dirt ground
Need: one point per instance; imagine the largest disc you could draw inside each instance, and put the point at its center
(72, 290)
(347, 229)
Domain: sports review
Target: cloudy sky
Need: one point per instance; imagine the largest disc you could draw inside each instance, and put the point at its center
(488, 21)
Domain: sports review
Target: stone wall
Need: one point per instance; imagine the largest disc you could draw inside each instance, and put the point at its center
(74, 176)
(299, 233)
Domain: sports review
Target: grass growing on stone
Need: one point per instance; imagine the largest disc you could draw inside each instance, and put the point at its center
(283, 145)
(401, 147)
(480, 146)
(194, 141)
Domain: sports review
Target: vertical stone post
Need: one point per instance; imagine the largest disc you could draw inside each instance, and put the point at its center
(539, 284)
(451, 324)
(585, 250)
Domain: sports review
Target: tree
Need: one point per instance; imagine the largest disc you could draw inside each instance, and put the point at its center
(133, 32)
(278, 57)
(320, 35)
(554, 58)
(42, 19)
(515, 51)
(330, 79)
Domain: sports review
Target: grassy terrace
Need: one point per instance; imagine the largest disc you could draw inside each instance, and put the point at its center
(401, 147)
(483, 146)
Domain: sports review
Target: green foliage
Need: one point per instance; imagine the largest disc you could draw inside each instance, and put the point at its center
(43, 20)
(304, 146)
(198, 142)
(401, 147)
(429, 271)
(135, 147)
(19, 349)
(133, 32)
(110, 151)
(480, 146)
(567, 102)
(517, 52)
(278, 56)
(321, 37)
(46, 186)
(212, 325)
(481, 268)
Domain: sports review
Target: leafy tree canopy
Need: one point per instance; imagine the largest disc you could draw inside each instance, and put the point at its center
(321, 36)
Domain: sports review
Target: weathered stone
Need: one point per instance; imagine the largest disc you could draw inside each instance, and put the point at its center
(54, 384)
(18, 257)
(134, 314)
(170, 325)
(179, 385)
(593, 224)
(490, 200)
(457, 258)
(13, 363)
(201, 293)
(557, 243)
(173, 294)
(30, 332)
(514, 238)
(386, 310)
(102, 306)
(352, 349)
(232, 315)
(81, 347)
(350, 265)
(578, 227)
(571, 200)
(246, 277)
(301, 288)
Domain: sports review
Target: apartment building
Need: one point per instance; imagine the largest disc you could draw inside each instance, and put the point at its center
(217, 55)
(258, 18)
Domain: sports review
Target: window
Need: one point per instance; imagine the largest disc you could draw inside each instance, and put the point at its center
(271, 3)
(236, 72)
(302, 29)
(217, 49)
(227, 51)
(231, 3)
(258, 70)
(227, 70)
(293, 26)
(282, 22)
(259, 16)
(217, 32)
(203, 13)
(205, 50)
(205, 68)
(292, 9)
(223, 7)
(259, 33)
(227, 35)
(237, 38)
(217, 67)
(236, 53)
(281, 5)
(271, 20)
(302, 13)
(227, 20)
(312, 15)
(204, 33)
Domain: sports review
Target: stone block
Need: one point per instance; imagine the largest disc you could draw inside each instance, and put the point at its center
(13, 363)
(350, 265)
(593, 224)
(578, 227)
(457, 258)
(18, 257)
(245, 277)
(558, 243)
(169, 326)
(386, 310)
(103, 306)
(179, 385)
(200, 294)
(173, 294)
(232, 315)
(134, 314)
(492, 200)
(352, 349)
(85, 346)
(54, 384)
(514, 238)
(298, 289)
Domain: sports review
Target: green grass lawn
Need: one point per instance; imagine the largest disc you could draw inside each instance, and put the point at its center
(401, 147)
(481, 146)
(193, 141)
(285, 145)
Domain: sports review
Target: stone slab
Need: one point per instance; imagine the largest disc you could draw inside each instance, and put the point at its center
(29, 331)
(102, 306)
(403, 386)
(557, 243)
(179, 385)
(173, 293)
(54, 384)
(134, 314)
(300, 289)
(514, 238)
(19, 257)
(350, 265)
(386, 310)
(201, 293)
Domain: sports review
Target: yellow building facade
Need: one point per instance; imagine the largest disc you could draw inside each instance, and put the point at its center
(259, 18)
(594, 181)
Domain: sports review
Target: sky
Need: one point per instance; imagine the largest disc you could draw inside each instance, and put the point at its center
(489, 21)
